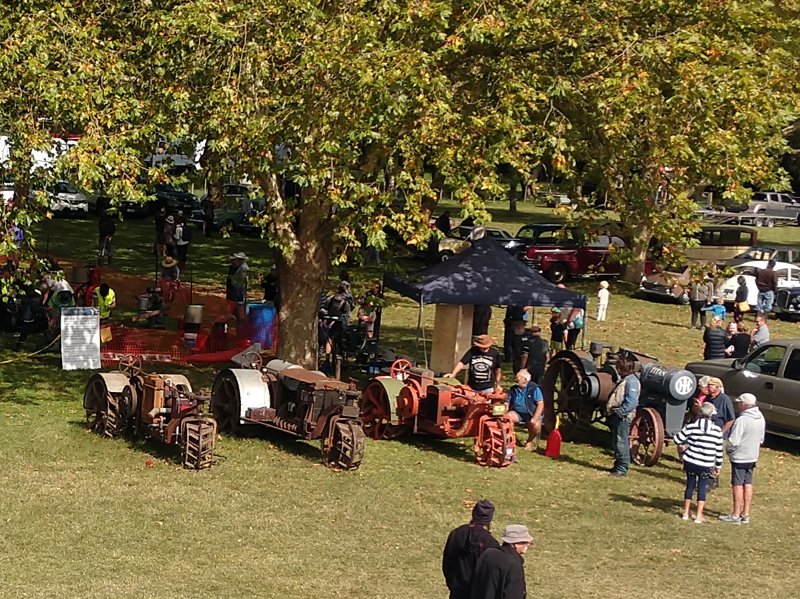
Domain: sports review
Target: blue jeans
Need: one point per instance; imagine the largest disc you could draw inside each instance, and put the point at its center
(764, 302)
(620, 432)
(696, 476)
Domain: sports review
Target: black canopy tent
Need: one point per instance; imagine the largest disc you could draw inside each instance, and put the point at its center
(484, 274)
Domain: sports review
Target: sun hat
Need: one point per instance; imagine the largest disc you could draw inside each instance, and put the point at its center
(483, 341)
(555, 310)
(747, 399)
(604, 284)
(516, 533)
(239, 256)
(168, 262)
(483, 512)
(171, 219)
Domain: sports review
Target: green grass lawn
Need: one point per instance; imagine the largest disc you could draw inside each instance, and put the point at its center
(83, 516)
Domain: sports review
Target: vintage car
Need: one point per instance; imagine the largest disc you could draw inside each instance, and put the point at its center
(461, 237)
(760, 252)
(668, 286)
(787, 303)
(560, 252)
(771, 373)
(788, 276)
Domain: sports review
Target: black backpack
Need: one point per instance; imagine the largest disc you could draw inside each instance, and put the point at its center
(186, 233)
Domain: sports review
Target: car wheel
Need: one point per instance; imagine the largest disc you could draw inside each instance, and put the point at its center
(683, 300)
(769, 222)
(445, 255)
(557, 273)
(758, 222)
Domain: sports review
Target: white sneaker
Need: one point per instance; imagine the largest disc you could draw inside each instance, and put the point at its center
(685, 517)
(699, 520)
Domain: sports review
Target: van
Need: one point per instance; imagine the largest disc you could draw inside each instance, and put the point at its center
(722, 242)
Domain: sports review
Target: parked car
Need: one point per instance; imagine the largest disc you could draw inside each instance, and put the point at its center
(787, 303)
(668, 286)
(788, 276)
(175, 199)
(7, 191)
(66, 200)
(721, 242)
(771, 202)
(560, 252)
(460, 238)
(771, 373)
(237, 204)
(779, 254)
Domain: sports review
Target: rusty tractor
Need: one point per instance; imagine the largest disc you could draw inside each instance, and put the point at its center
(303, 403)
(160, 406)
(577, 385)
(412, 399)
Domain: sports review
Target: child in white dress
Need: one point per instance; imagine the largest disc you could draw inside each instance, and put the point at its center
(602, 300)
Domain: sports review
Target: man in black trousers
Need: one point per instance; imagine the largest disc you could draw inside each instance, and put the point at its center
(464, 546)
(500, 573)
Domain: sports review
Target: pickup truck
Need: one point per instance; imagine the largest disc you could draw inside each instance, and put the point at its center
(560, 252)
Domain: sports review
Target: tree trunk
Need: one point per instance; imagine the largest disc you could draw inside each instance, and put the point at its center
(512, 196)
(303, 275)
(640, 243)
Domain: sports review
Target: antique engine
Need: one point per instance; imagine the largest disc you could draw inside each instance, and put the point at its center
(303, 403)
(577, 385)
(412, 399)
(160, 406)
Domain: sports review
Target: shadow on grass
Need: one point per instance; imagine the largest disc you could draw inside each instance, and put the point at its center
(777, 443)
(663, 504)
(309, 451)
(440, 446)
(677, 325)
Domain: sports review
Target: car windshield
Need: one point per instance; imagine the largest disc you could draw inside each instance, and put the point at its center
(756, 253)
(64, 187)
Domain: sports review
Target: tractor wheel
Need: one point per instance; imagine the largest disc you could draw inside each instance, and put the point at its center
(226, 404)
(565, 396)
(343, 444)
(197, 442)
(376, 414)
(647, 437)
(101, 400)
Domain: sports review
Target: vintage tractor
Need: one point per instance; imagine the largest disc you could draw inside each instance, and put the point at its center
(160, 406)
(300, 402)
(577, 385)
(411, 399)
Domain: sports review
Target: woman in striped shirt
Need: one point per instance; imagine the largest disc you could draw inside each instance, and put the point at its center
(700, 446)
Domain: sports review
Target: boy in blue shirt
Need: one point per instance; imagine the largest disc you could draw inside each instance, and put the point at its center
(717, 309)
(526, 405)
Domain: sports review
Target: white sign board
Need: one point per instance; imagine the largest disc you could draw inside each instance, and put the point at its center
(80, 338)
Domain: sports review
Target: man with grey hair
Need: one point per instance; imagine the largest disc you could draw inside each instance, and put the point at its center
(500, 573)
(747, 435)
(526, 405)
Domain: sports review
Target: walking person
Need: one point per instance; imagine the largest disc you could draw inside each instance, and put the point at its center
(500, 573)
(183, 236)
(106, 230)
(603, 295)
(207, 207)
(744, 443)
(170, 247)
(159, 222)
(700, 294)
(621, 409)
(700, 447)
(464, 546)
(767, 284)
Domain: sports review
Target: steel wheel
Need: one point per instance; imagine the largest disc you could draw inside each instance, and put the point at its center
(225, 404)
(343, 444)
(130, 365)
(647, 437)
(101, 400)
(400, 369)
(564, 397)
(495, 444)
(376, 415)
(197, 442)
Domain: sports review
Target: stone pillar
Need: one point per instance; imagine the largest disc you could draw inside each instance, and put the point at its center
(452, 335)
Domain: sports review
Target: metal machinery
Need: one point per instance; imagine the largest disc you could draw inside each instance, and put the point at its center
(160, 406)
(412, 399)
(303, 403)
(577, 385)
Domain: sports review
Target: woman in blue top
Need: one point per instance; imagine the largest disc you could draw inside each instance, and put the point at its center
(526, 406)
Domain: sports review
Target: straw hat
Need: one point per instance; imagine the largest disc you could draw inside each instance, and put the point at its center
(168, 262)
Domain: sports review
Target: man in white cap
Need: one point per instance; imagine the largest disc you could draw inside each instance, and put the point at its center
(747, 435)
(500, 573)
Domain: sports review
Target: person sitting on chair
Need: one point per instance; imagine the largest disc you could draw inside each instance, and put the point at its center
(526, 405)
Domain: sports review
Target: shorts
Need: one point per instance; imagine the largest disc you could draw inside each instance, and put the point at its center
(524, 417)
(742, 474)
(556, 344)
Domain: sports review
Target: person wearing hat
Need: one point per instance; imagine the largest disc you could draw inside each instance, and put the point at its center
(500, 573)
(603, 295)
(464, 546)
(700, 447)
(744, 442)
(170, 269)
(236, 283)
(483, 361)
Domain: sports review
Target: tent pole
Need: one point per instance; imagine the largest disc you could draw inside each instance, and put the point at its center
(421, 327)
(585, 321)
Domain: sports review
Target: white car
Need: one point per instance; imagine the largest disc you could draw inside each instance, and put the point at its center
(788, 276)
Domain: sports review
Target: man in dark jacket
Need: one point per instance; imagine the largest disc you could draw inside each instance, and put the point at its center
(464, 546)
(767, 284)
(500, 573)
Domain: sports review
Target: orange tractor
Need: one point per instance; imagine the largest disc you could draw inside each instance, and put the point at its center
(412, 399)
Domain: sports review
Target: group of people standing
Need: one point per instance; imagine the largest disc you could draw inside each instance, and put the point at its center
(476, 566)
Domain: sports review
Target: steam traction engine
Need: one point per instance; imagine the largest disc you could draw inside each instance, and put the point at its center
(411, 399)
(160, 406)
(301, 402)
(577, 385)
